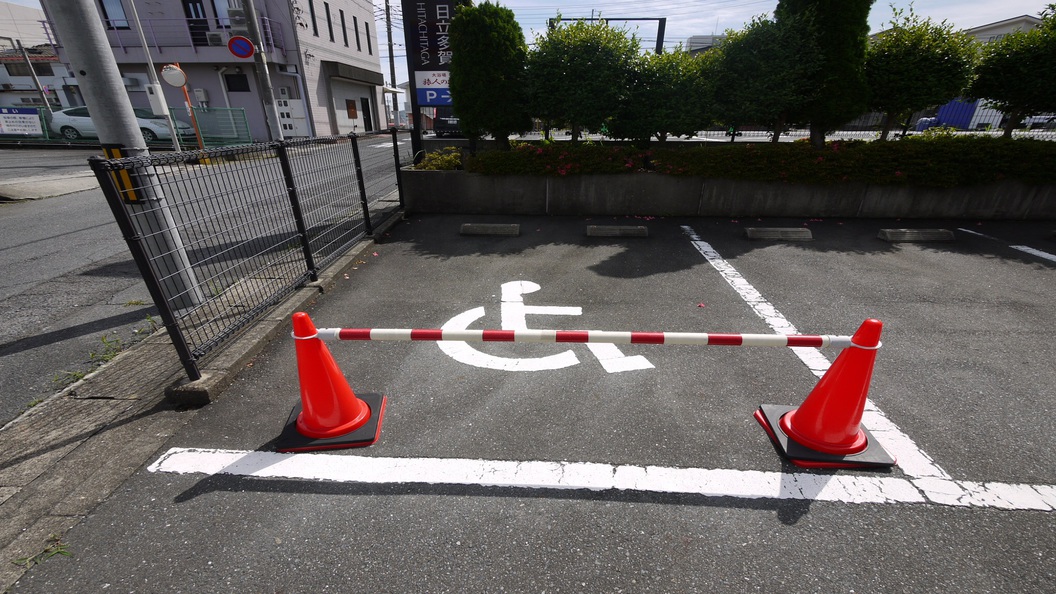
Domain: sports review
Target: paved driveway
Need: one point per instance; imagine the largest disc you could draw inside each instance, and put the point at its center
(640, 470)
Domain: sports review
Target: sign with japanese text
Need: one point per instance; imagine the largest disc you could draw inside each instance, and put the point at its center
(23, 121)
(432, 87)
(427, 29)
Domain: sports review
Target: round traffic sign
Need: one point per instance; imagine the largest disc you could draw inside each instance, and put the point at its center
(240, 46)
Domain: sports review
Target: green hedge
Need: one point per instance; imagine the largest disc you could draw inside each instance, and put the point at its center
(936, 161)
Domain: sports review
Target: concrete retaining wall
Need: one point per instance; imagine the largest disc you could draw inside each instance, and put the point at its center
(651, 194)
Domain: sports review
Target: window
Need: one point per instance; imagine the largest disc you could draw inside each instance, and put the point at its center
(311, 15)
(236, 83)
(355, 26)
(221, 8)
(114, 14)
(329, 21)
(366, 31)
(20, 69)
(344, 29)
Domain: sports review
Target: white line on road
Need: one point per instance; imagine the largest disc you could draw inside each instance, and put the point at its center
(535, 474)
(1023, 248)
(911, 459)
(934, 482)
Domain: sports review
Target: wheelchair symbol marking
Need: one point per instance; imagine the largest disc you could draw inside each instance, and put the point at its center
(514, 313)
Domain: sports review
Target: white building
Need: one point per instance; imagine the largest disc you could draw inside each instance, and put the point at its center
(20, 23)
(322, 55)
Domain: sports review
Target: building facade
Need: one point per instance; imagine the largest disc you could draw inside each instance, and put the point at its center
(322, 60)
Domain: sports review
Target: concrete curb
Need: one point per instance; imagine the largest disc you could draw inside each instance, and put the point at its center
(68, 454)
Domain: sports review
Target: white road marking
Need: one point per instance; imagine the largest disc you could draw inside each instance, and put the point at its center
(1023, 248)
(464, 353)
(537, 474)
(1034, 252)
(934, 482)
(514, 317)
(927, 482)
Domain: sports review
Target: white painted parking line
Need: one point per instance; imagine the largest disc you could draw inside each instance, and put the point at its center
(537, 474)
(1023, 248)
(911, 459)
(1034, 252)
(811, 357)
(934, 482)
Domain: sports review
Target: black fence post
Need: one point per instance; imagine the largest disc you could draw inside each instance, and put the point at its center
(362, 185)
(396, 158)
(295, 205)
(139, 255)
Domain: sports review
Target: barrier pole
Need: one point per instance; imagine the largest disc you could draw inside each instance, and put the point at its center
(589, 336)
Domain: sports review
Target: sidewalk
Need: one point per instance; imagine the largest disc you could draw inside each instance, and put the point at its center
(37, 187)
(68, 454)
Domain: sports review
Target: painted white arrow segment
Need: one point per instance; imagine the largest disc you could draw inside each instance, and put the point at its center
(537, 474)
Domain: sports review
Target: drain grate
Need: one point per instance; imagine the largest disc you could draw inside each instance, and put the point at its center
(490, 229)
(617, 231)
(779, 233)
(908, 235)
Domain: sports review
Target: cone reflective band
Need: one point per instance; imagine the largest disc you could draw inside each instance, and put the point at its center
(587, 336)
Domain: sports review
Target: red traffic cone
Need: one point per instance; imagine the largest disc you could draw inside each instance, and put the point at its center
(825, 431)
(330, 415)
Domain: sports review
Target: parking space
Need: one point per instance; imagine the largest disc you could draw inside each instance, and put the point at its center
(568, 467)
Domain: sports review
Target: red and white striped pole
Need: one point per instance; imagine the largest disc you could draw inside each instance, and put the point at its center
(584, 336)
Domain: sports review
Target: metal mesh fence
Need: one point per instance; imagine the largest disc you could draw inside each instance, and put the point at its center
(324, 176)
(222, 235)
(218, 126)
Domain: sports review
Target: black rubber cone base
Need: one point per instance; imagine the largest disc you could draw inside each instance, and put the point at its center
(873, 456)
(291, 439)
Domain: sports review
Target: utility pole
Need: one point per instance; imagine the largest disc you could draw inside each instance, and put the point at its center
(155, 83)
(392, 65)
(267, 93)
(81, 32)
(36, 81)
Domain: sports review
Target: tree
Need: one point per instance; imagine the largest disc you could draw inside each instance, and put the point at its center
(578, 73)
(488, 72)
(660, 98)
(766, 72)
(916, 64)
(840, 30)
(1017, 73)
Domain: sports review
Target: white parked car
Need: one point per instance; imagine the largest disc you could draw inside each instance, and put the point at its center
(74, 123)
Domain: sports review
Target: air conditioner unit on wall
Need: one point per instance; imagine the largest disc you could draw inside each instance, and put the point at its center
(216, 38)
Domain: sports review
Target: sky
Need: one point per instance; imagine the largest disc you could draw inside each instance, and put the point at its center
(698, 17)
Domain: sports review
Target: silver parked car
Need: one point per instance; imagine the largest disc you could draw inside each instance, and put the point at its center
(74, 123)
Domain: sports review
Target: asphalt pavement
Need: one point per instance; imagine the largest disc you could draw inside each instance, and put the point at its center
(565, 468)
(70, 295)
